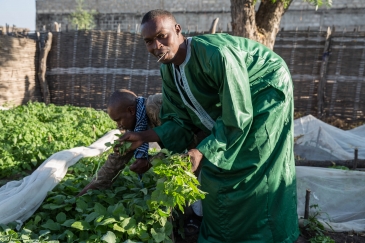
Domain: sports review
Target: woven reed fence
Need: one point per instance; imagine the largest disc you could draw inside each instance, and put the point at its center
(85, 67)
(18, 70)
(327, 70)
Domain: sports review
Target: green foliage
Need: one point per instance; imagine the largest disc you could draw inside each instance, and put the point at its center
(340, 167)
(82, 18)
(133, 210)
(321, 239)
(116, 144)
(31, 133)
(319, 3)
(316, 3)
(315, 229)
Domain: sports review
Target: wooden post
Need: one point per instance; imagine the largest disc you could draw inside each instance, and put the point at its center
(56, 28)
(214, 26)
(323, 73)
(137, 28)
(355, 159)
(307, 198)
(39, 41)
(118, 28)
(42, 68)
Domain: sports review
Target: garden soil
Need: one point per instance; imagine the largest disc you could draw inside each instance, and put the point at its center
(338, 237)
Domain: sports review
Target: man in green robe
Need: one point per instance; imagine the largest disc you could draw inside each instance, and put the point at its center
(240, 93)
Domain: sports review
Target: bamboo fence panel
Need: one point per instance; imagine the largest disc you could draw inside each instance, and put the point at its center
(85, 67)
(344, 92)
(302, 52)
(18, 70)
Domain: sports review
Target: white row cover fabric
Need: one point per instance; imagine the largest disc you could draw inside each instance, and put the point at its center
(20, 199)
(317, 140)
(339, 194)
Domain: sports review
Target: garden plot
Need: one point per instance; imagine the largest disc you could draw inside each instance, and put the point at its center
(134, 209)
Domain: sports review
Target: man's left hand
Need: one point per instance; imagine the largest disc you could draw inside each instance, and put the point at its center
(195, 158)
(140, 166)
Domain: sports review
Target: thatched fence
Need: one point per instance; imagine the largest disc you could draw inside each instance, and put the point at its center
(327, 70)
(95, 63)
(85, 67)
(18, 69)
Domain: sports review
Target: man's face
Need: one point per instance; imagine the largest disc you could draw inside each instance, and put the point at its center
(124, 117)
(161, 38)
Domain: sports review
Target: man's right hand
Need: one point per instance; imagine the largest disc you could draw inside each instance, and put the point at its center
(136, 138)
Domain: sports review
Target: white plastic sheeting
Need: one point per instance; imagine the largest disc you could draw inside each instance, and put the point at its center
(317, 140)
(339, 194)
(20, 199)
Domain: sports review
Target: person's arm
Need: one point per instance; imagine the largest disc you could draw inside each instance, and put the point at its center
(141, 165)
(176, 131)
(231, 128)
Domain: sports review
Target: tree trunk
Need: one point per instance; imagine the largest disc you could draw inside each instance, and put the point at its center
(261, 26)
(43, 66)
(243, 18)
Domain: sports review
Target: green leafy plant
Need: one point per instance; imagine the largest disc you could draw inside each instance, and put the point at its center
(314, 228)
(82, 18)
(30, 133)
(321, 239)
(316, 3)
(319, 3)
(340, 167)
(133, 210)
(116, 146)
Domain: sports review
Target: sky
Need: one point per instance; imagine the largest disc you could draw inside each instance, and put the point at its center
(20, 13)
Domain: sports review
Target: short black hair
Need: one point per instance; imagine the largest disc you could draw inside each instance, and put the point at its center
(122, 97)
(157, 13)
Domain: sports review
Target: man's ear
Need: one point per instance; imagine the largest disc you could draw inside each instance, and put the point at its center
(177, 29)
(131, 110)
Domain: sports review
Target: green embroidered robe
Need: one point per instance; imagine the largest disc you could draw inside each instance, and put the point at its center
(241, 94)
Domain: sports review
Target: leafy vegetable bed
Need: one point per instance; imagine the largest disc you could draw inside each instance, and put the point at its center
(133, 210)
(31, 133)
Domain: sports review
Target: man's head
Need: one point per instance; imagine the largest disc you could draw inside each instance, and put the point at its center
(163, 37)
(122, 109)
